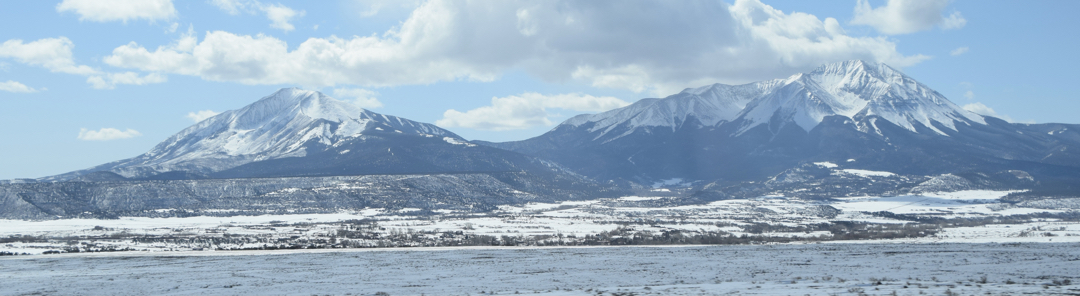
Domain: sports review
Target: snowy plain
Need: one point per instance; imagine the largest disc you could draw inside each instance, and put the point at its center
(1032, 257)
(563, 219)
(791, 269)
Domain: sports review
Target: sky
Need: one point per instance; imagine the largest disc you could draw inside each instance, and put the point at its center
(86, 82)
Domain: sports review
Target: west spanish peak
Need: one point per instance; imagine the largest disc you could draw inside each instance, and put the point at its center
(288, 123)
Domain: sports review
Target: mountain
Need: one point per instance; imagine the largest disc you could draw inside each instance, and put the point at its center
(295, 132)
(857, 114)
(299, 151)
(284, 195)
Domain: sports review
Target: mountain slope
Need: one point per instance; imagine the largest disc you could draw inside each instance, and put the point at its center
(299, 151)
(708, 105)
(856, 89)
(296, 132)
(870, 114)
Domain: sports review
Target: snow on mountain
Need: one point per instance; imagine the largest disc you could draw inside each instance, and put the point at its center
(856, 89)
(853, 89)
(868, 116)
(278, 126)
(284, 124)
(710, 105)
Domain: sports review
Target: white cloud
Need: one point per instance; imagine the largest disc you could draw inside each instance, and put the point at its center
(525, 111)
(599, 43)
(374, 7)
(110, 80)
(105, 134)
(279, 15)
(969, 95)
(954, 21)
(232, 7)
(958, 51)
(51, 53)
(172, 28)
(198, 116)
(55, 55)
(906, 16)
(981, 109)
(16, 87)
(361, 97)
(119, 10)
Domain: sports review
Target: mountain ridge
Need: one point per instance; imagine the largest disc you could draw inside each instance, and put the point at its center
(849, 110)
(295, 132)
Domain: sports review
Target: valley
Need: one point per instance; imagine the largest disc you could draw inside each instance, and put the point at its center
(956, 217)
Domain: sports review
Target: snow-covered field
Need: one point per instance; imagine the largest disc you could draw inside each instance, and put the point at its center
(170, 256)
(791, 269)
(553, 223)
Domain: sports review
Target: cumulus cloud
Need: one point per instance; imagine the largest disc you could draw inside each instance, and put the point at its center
(198, 116)
(110, 80)
(106, 134)
(119, 10)
(958, 51)
(954, 21)
(981, 109)
(232, 7)
(691, 43)
(525, 111)
(361, 97)
(55, 55)
(968, 94)
(16, 87)
(374, 7)
(279, 15)
(51, 53)
(906, 16)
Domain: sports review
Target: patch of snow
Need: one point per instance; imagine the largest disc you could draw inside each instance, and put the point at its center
(826, 164)
(866, 173)
(670, 182)
(974, 194)
(458, 142)
(639, 198)
(59, 227)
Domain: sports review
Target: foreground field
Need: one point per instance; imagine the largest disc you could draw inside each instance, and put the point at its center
(793, 269)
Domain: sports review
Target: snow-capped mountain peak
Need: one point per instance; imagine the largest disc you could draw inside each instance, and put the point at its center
(284, 124)
(868, 116)
(853, 89)
(308, 103)
(279, 125)
(710, 105)
(856, 89)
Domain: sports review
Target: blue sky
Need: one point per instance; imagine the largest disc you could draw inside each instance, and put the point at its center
(87, 82)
